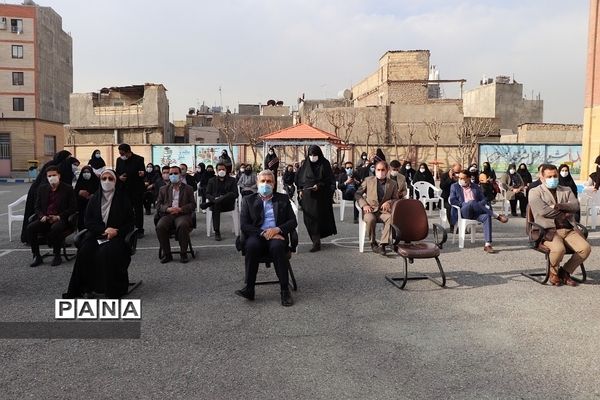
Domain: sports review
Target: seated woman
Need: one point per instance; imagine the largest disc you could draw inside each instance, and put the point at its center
(87, 184)
(150, 179)
(103, 257)
(515, 187)
(487, 188)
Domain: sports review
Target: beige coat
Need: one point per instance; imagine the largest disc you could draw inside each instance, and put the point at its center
(367, 193)
(505, 180)
(542, 205)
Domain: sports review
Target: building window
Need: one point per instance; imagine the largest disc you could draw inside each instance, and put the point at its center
(18, 104)
(16, 26)
(49, 145)
(18, 79)
(17, 51)
(4, 146)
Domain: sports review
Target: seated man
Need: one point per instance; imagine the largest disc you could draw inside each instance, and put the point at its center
(266, 219)
(174, 207)
(375, 197)
(348, 183)
(55, 203)
(399, 178)
(473, 205)
(221, 193)
(554, 208)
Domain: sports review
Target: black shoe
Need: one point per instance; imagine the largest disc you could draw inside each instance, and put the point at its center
(316, 247)
(379, 249)
(245, 293)
(140, 233)
(184, 258)
(514, 213)
(356, 220)
(148, 212)
(56, 261)
(166, 258)
(523, 215)
(218, 236)
(204, 206)
(37, 260)
(286, 298)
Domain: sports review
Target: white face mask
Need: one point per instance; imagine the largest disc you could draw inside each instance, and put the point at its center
(149, 169)
(564, 174)
(123, 158)
(53, 180)
(242, 169)
(97, 155)
(511, 171)
(313, 158)
(394, 173)
(86, 175)
(221, 173)
(421, 170)
(74, 168)
(463, 182)
(380, 174)
(408, 167)
(271, 152)
(108, 186)
(472, 169)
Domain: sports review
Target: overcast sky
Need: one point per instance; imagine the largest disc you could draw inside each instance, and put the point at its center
(258, 50)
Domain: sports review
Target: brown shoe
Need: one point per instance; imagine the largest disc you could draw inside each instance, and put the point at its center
(502, 218)
(489, 249)
(554, 278)
(566, 278)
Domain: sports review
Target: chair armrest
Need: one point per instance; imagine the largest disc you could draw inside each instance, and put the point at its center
(79, 237)
(530, 226)
(131, 240)
(396, 234)
(437, 230)
(32, 218)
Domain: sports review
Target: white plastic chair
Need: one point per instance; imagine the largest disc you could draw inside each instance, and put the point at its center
(342, 203)
(12, 216)
(461, 229)
(362, 229)
(235, 214)
(423, 194)
(590, 201)
(502, 197)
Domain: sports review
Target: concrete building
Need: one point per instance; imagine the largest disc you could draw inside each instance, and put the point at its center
(36, 78)
(591, 114)
(137, 114)
(502, 98)
(539, 133)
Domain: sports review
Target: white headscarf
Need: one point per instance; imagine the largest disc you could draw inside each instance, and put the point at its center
(107, 196)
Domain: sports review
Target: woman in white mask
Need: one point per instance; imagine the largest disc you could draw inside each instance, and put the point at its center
(87, 184)
(96, 162)
(566, 179)
(103, 256)
(515, 190)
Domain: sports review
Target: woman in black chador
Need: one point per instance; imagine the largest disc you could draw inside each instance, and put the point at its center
(272, 163)
(314, 181)
(103, 257)
(87, 184)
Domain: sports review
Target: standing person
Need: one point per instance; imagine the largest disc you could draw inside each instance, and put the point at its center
(199, 174)
(314, 186)
(446, 181)
(364, 160)
(97, 162)
(409, 173)
(566, 179)
(289, 177)
(87, 184)
(130, 170)
(102, 267)
(487, 169)
(247, 180)
(515, 188)
(272, 164)
(150, 180)
(54, 204)
(226, 161)
(41, 179)
(221, 193)
(525, 174)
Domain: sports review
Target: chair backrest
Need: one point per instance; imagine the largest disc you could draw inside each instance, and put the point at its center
(410, 217)
(423, 188)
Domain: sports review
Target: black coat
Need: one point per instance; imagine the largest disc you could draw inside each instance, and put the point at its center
(219, 188)
(67, 205)
(445, 184)
(120, 216)
(134, 185)
(252, 214)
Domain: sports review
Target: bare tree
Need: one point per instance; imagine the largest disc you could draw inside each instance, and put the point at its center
(411, 129)
(336, 118)
(374, 128)
(434, 129)
(469, 134)
(396, 139)
(228, 128)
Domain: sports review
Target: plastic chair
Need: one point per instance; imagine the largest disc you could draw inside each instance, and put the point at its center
(502, 197)
(235, 214)
(590, 201)
(421, 193)
(12, 216)
(343, 202)
(362, 229)
(461, 228)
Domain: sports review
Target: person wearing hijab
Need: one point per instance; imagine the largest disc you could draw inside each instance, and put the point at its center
(104, 256)
(525, 174)
(97, 162)
(87, 184)
(423, 174)
(150, 180)
(68, 170)
(474, 172)
(226, 160)
(208, 173)
(487, 169)
(289, 177)
(247, 180)
(272, 164)
(513, 183)
(58, 159)
(566, 179)
(364, 160)
(314, 180)
(409, 173)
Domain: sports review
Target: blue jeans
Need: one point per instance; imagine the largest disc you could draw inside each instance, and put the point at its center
(479, 212)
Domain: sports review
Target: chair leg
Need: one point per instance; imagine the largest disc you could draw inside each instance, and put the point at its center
(293, 279)
(405, 278)
(65, 254)
(362, 227)
(535, 276)
(583, 277)
(342, 209)
(461, 235)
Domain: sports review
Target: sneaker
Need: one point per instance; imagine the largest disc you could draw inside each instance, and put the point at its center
(489, 249)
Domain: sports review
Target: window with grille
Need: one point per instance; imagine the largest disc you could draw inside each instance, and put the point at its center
(49, 145)
(4, 146)
(18, 79)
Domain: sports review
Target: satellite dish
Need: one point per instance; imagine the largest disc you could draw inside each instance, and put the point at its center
(271, 103)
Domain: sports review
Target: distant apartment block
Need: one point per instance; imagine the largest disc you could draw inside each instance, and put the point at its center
(36, 78)
(137, 114)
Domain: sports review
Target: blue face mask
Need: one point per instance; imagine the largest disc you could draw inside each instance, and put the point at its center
(349, 171)
(174, 178)
(551, 183)
(264, 189)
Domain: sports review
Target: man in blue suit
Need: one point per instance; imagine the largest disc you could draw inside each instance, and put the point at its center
(473, 205)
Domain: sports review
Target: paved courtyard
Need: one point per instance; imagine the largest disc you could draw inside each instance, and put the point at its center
(492, 333)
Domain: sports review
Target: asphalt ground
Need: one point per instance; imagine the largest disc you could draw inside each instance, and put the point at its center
(491, 334)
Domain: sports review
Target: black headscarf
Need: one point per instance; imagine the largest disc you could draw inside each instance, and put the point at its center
(568, 180)
(525, 174)
(379, 156)
(96, 163)
(271, 160)
(91, 185)
(408, 174)
(426, 176)
(312, 173)
(66, 170)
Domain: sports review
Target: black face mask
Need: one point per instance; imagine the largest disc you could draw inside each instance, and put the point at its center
(248, 171)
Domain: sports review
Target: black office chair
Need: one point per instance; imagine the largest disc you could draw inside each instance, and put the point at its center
(172, 235)
(131, 241)
(70, 229)
(292, 240)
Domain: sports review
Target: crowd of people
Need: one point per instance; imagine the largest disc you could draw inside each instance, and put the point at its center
(110, 204)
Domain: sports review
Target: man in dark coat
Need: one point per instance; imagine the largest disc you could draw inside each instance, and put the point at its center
(130, 170)
(55, 203)
(266, 220)
(221, 193)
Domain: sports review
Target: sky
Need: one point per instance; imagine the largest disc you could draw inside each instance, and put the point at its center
(261, 50)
